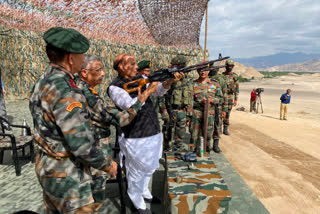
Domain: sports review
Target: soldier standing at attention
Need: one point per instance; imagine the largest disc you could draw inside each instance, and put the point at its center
(204, 90)
(233, 92)
(92, 74)
(180, 98)
(66, 140)
(222, 107)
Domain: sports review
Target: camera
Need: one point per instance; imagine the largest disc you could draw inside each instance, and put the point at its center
(259, 90)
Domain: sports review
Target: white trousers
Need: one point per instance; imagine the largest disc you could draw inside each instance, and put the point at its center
(142, 159)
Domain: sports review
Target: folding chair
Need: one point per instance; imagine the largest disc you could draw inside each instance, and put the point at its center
(16, 144)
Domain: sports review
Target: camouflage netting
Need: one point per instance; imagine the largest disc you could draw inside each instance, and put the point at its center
(155, 29)
(23, 58)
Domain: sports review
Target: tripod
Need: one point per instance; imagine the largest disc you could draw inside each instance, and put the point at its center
(259, 102)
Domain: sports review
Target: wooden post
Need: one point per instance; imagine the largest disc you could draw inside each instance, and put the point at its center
(206, 35)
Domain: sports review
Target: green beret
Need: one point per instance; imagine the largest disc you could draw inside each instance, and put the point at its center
(67, 39)
(178, 60)
(144, 64)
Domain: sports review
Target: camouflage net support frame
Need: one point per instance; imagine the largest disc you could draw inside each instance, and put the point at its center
(23, 58)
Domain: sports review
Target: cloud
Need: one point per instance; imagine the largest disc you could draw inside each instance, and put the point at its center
(247, 28)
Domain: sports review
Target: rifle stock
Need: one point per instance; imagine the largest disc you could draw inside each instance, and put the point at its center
(141, 83)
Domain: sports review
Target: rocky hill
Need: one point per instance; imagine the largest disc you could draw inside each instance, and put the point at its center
(309, 66)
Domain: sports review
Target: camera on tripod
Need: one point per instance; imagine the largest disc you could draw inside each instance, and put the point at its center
(259, 90)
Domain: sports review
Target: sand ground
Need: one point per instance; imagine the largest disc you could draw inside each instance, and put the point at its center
(279, 160)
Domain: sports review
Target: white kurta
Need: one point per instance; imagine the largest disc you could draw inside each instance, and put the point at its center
(142, 154)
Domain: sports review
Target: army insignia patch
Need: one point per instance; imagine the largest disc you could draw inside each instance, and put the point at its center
(93, 91)
(73, 105)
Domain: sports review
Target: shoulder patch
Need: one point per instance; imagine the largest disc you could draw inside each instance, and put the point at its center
(73, 105)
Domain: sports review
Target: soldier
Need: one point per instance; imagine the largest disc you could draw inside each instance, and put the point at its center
(232, 82)
(180, 99)
(91, 75)
(144, 67)
(67, 142)
(204, 89)
(222, 107)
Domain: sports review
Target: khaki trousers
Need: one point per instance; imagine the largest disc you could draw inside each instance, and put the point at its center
(283, 110)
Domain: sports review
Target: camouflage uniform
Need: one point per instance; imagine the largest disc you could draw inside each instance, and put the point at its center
(67, 143)
(233, 92)
(101, 124)
(180, 99)
(223, 105)
(200, 91)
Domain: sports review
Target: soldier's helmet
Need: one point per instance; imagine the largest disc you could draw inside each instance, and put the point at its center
(230, 62)
(179, 60)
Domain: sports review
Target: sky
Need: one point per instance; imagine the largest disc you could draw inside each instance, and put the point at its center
(249, 28)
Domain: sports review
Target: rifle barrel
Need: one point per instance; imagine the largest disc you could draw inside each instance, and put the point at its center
(201, 65)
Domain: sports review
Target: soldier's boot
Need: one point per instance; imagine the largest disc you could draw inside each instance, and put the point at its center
(225, 130)
(216, 148)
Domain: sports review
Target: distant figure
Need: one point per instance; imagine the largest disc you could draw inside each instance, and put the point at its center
(253, 100)
(285, 100)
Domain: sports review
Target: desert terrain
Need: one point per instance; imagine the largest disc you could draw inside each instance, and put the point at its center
(279, 160)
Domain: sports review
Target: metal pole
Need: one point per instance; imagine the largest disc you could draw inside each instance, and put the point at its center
(206, 35)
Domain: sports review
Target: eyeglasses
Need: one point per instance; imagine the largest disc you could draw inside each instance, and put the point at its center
(96, 70)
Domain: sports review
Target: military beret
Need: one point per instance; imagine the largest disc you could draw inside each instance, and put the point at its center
(67, 39)
(230, 62)
(144, 64)
(179, 60)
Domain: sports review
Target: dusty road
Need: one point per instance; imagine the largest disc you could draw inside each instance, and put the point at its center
(279, 160)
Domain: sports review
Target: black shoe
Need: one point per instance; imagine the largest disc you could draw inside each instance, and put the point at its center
(225, 130)
(146, 211)
(5, 125)
(216, 148)
(153, 200)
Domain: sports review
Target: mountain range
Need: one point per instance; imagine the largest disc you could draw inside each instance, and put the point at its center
(309, 66)
(263, 62)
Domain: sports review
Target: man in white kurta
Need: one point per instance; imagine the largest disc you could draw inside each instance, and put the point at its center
(141, 140)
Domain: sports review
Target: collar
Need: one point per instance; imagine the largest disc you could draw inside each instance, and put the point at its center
(62, 68)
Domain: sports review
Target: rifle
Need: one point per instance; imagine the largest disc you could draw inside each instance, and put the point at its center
(169, 127)
(205, 125)
(167, 73)
(216, 119)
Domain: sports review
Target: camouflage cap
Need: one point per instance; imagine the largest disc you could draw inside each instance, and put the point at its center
(178, 60)
(67, 39)
(230, 62)
(144, 64)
